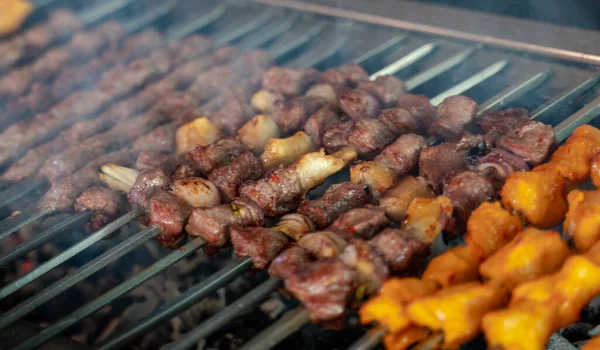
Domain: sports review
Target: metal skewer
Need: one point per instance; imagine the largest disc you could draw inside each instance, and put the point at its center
(275, 333)
(565, 97)
(369, 340)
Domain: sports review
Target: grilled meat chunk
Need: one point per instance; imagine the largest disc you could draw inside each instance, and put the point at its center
(105, 204)
(468, 190)
(196, 192)
(228, 178)
(160, 140)
(322, 119)
(402, 156)
(322, 244)
(288, 81)
(358, 103)
(347, 74)
(294, 114)
(533, 141)
(386, 88)
(213, 224)
(185, 170)
(402, 252)
(438, 161)
(152, 160)
(454, 115)
(325, 287)
(360, 222)
(217, 154)
(259, 243)
(366, 136)
(331, 93)
(289, 262)
(399, 121)
(503, 121)
(234, 113)
(146, 184)
(420, 107)
(371, 268)
(336, 200)
(169, 214)
(496, 164)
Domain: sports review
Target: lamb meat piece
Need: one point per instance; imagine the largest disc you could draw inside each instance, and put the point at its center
(336, 200)
(288, 81)
(219, 153)
(289, 262)
(468, 190)
(277, 192)
(360, 222)
(454, 116)
(322, 119)
(168, 213)
(533, 141)
(185, 170)
(259, 243)
(146, 184)
(328, 92)
(496, 164)
(438, 161)
(105, 204)
(420, 107)
(160, 140)
(347, 74)
(294, 114)
(369, 137)
(402, 253)
(371, 268)
(213, 224)
(325, 287)
(153, 160)
(234, 113)
(323, 244)
(386, 88)
(228, 178)
(402, 156)
(335, 137)
(358, 103)
(503, 121)
(399, 121)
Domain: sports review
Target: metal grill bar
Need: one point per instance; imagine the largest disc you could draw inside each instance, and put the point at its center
(151, 16)
(275, 333)
(201, 22)
(16, 192)
(406, 60)
(103, 9)
(252, 25)
(13, 224)
(369, 340)
(583, 116)
(564, 98)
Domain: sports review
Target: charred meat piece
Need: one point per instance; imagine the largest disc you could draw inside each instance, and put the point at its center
(360, 222)
(105, 204)
(288, 81)
(533, 141)
(347, 74)
(259, 243)
(371, 268)
(496, 164)
(294, 114)
(277, 192)
(468, 190)
(454, 115)
(323, 244)
(503, 121)
(366, 136)
(152, 160)
(401, 252)
(420, 107)
(358, 103)
(289, 262)
(325, 287)
(438, 161)
(402, 156)
(213, 224)
(219, 153)
(169, 214)
(146, 184)
(399, 120)
(386, 88)
(322, 119)
(228, 178)
(336, 200)
(196, 192)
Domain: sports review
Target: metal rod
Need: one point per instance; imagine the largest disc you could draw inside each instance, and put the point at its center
(179, 304)
(69, 253)
(405, 61)
(440, 68)
(474, 80)
(200, 22)
(103, 9)
(82, 273)
(14, 223)
(267, 34)
(513, 92)
(583, 116)
(370, 339)
(285, 48)
(543, 110)
(20, 190)
(244, 29)
(135, 24)
(46, 236)
(288, 324)
(315, 59)
(395, 41)
(89, 308)
(223, 317)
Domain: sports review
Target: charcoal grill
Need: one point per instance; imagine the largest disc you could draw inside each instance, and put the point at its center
(500, 62)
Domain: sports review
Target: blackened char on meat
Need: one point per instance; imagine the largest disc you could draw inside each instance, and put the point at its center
(208, 158)
(360, 222)
(105, 204)
(454, 115)
(402, 156)
(420, 107)
(336, 200)
(322, 119)
(228, 178)
(259, 243)
(399, 120)
(169, 214)
(533, 141)
(146, 184)
(288, 81)
(289, 262)
(402, 253)
(371, 268)
(386, 88)
(468, 190)
(358, 103)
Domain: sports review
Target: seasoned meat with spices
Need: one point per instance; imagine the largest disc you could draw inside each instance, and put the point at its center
(325, 287)
(289, 262)
(358, 103)
(503, 121)
(386, 88)
(533, 141)
(228, 178)
(169, 214)
(468, 190)
(399, 121)
(294, 114)
(288, 81)
(219, 153)
(347, 74)
(454, 115)
(402, 252)
(438, 161)
(420, 107)
(146, 184)
(364, 259)
(335, 137)
(213, 224)
(105, 204)
(319, 121)
(259, 243)
(336, 200)
(360, 222)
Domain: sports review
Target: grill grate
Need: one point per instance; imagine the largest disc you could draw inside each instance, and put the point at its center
(432, 65)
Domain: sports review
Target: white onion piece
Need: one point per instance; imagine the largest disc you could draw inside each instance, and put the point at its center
(314, 168)
(257, 132)
(286, 151)
(196, 191)
(199, 132)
